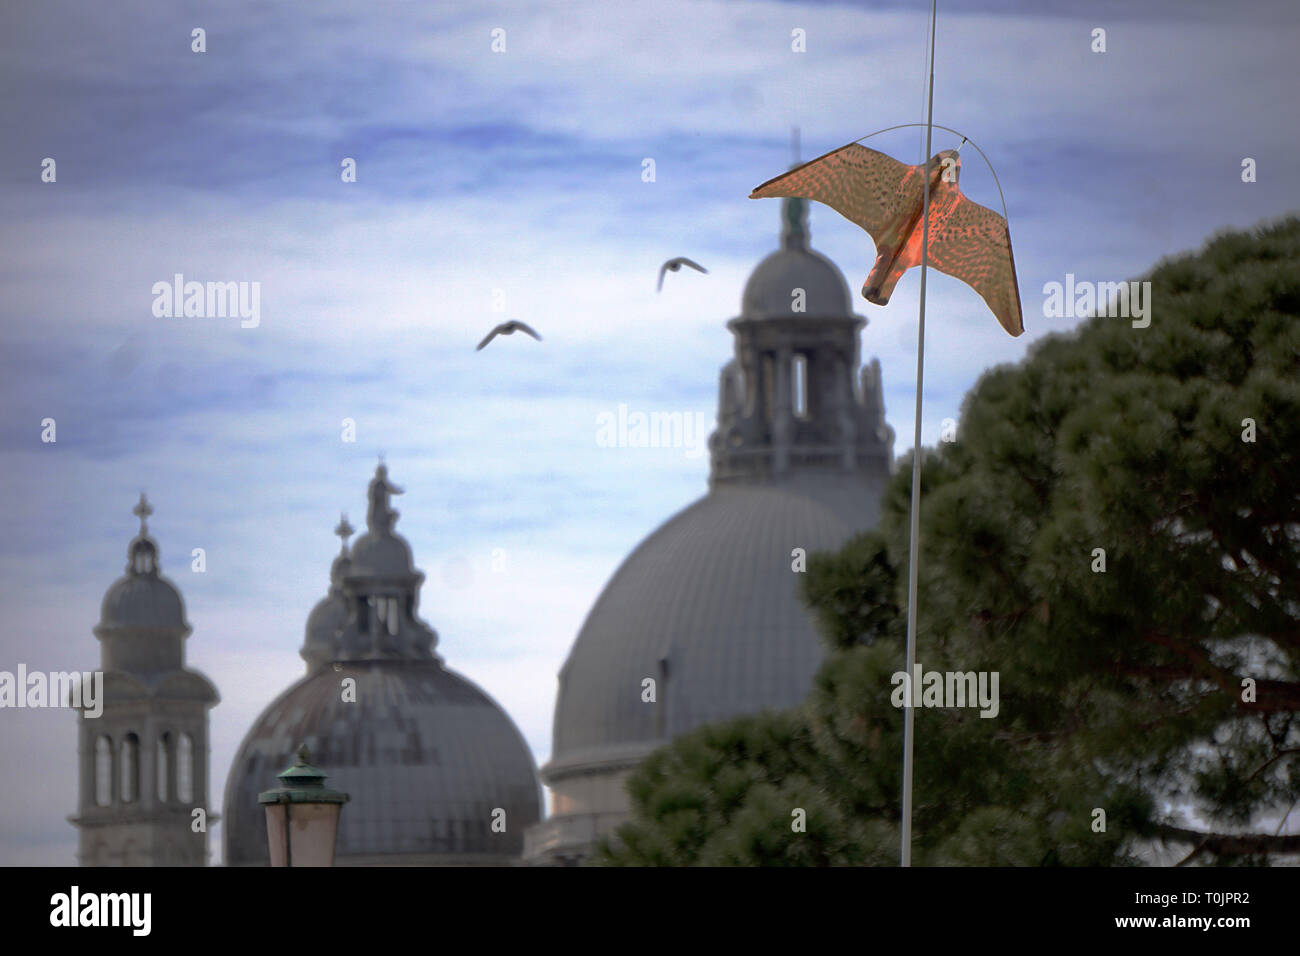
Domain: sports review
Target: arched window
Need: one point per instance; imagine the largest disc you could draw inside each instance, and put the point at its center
(103, 772)
(769, 387)
(386, 609)
(799, 385)
(129, 768)
(185, 769)
(163, 767)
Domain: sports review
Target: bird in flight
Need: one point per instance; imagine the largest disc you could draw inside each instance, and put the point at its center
(675, 265)
(885, 197)
(508, 328)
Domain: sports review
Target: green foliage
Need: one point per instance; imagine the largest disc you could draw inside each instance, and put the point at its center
(1119, 690)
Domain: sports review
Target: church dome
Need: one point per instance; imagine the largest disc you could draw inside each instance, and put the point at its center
(328, 618)
(426, 757)
(381, 555)
(769, 293)
(145, 601)
(708, 606)
(324, 623)
(142, 598)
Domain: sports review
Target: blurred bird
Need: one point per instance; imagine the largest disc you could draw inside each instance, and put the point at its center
(675, 265)
(884, 197)
(508, 328)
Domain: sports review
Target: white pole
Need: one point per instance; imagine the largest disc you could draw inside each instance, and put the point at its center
(914, 542)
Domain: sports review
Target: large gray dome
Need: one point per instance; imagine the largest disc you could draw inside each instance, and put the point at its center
(707, 606)
(713, 594)
(425, 755)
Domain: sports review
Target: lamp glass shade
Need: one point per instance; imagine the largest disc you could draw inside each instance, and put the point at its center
(302, 834)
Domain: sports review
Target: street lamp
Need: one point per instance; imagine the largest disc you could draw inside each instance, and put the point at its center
(302, 816)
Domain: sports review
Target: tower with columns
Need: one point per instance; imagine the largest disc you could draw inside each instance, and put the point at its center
(143, 797)
(788, 403)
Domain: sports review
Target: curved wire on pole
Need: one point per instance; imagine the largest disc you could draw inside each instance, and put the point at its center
(965, 139)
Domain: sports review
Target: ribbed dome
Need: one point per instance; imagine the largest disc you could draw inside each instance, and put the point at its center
(713, 594)
(425, 755)
(143, 601)
(769, 293)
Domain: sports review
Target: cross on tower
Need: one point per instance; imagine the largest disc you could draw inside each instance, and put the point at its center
(143, 511)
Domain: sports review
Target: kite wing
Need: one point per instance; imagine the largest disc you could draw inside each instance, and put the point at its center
(864, 186)
(973, 244)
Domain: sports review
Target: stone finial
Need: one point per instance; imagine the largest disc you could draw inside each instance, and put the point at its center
(344, 531)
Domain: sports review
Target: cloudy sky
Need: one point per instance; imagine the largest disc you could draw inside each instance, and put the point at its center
(518, 171)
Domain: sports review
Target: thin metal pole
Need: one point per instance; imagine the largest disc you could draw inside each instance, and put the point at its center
(909, 710)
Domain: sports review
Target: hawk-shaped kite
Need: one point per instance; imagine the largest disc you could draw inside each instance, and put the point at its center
(884, 197)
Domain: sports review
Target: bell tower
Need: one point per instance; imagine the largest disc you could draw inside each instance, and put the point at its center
(144, 760)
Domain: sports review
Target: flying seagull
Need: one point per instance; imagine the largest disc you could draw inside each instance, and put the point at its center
(884, 197)
(675, 265)
(508, 328)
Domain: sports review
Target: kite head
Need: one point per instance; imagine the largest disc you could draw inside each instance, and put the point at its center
(945, 167)
(872, 293)
(882, 279)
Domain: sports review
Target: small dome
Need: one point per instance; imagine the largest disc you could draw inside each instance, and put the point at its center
(328, 618)
(143, 601)
(425, 756)
(142, 598)
(769, 292)
(324, 623)
(381, 554)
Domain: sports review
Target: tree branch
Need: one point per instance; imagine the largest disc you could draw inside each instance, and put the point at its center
(1231, 844)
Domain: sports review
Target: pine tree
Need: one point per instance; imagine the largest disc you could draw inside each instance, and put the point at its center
(1163, 690)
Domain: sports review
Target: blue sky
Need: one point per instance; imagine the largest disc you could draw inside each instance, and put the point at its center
(521, 172)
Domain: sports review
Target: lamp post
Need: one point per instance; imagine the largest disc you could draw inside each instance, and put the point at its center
(302, 816)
